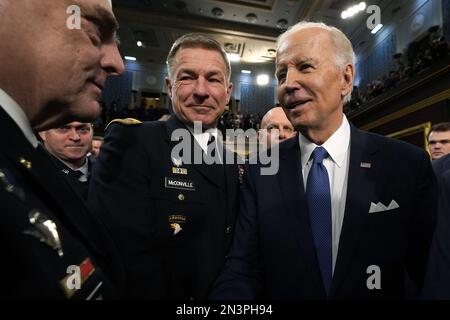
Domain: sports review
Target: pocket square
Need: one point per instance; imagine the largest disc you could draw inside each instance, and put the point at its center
(379, 207)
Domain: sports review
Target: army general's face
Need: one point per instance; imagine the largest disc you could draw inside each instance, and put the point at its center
(70, 143)
(70, 64)
(199, 88)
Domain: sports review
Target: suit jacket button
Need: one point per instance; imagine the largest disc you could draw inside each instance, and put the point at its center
(228, 230)
(181, 197)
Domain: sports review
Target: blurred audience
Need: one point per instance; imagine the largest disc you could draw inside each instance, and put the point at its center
(418, 57)
(97, 142)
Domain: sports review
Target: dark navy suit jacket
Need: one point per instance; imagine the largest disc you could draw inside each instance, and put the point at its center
(273, 254)
(437, 281)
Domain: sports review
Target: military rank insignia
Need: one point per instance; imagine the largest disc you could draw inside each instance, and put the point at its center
(177, 161)
(126, 121)
(176, 170)
(45, 230)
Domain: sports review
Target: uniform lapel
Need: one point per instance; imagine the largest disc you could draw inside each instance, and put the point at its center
(360, 191)
(291, 184)
(209, 172)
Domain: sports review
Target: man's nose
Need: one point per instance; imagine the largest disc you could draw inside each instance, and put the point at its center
(111, 60)
(292, 80)
(201, 87)
(74, 135)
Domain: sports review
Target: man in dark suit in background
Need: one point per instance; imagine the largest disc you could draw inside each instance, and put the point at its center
(69, 146)
(439, 140)
(350, 214)
(441, 165)
(51, 246)
(172, 218)
(437, 280)
(275, 119)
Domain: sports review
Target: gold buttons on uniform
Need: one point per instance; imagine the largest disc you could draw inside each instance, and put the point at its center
(27, 164)
(181, 197)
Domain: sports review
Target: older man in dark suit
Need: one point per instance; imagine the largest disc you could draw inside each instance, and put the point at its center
(51, 246)
(350, 215)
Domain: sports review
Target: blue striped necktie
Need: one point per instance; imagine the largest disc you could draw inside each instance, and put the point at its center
(319, 205)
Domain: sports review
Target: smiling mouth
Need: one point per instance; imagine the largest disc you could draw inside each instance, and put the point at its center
(296, 104)
(202, 108)
(98, 82)
(98, 85)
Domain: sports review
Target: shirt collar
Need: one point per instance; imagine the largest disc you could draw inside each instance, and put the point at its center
(203, 137)
(336, 145)
(18, 116)
(83, 168)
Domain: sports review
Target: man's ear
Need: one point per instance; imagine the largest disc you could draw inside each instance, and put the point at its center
(169, 85)
(229, 91)
(42, 135)
(348, 76)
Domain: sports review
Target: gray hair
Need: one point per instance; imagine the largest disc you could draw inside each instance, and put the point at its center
(197, 40)
(343, 54)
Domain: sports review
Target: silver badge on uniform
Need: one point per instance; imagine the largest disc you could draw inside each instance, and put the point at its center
(177, 161)
(45, 230)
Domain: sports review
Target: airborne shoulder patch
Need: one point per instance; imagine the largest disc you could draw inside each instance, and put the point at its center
(126, 121)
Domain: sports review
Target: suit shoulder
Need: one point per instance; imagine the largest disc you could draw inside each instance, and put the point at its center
(442, 164)
(394, 145)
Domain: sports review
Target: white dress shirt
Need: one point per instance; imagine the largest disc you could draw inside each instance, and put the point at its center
(16, 113)
(202, 139)
(338, 148)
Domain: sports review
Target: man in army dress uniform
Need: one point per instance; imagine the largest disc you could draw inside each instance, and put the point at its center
(68, 147)
(51, 246)
(172, 219)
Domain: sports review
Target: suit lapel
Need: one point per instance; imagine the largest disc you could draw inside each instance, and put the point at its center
(360, 192)
(291, 185)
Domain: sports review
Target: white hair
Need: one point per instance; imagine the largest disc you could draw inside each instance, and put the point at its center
(343, 54)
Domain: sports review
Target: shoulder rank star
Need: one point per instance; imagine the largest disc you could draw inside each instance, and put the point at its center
(45, 230)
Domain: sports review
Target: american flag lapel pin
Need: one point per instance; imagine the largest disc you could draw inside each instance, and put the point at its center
(366, 165)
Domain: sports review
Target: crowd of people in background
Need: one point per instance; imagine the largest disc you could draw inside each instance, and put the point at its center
(229, 120)
(419, 57)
